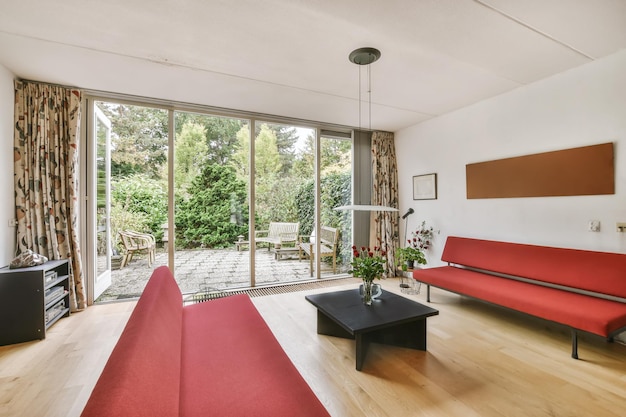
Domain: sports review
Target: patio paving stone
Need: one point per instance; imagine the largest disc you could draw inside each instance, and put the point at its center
(197, 270)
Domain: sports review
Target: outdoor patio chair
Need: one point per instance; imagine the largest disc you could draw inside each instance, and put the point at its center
(137, 242)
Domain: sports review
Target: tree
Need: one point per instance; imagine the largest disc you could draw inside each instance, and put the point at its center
(241, 157)
(216, 212)
(220, 134)
(190, 154)
(222, 138)
(267, 159)
(286, 138)
(303, 165)
(267, 176)
(335, 157)
(139, 139)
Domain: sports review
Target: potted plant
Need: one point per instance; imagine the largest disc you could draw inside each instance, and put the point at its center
(413, 253)
(408, 256)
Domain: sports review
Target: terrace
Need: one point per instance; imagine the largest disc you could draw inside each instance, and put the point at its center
(211, 269)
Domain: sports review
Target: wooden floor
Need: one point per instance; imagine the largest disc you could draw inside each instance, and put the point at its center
(481, 361)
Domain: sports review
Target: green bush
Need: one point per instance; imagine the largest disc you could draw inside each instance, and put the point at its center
(336, 190)
(216, 211)
(123, 219)
(277, 203)
(138, 203)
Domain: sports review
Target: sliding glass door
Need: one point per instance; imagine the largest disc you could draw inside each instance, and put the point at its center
(195, 191)
(211, 181)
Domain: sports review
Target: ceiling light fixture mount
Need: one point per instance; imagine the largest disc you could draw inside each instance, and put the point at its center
(360, 57)
(364, 56)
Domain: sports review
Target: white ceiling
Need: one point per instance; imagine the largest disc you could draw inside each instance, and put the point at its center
(290, 57)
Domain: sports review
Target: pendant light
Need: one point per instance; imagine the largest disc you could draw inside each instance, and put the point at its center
(360, 57)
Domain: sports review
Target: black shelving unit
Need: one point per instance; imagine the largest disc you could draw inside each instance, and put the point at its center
(33, 299)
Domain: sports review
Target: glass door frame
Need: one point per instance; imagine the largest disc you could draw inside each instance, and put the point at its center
(89, 189)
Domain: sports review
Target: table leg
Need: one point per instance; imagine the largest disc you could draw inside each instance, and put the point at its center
(362, 344)
(328, 327)
(409, 335)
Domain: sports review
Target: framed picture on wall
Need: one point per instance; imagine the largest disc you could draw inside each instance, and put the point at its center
(425, 187)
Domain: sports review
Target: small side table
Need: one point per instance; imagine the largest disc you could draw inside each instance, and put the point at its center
(284, 252)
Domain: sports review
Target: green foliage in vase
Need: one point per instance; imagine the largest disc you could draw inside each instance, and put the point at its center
(368, 264)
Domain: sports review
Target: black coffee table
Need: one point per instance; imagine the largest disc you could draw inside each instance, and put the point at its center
(390, 320)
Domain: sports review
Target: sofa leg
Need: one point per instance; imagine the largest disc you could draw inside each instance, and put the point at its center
(428, 293)
(574, 344)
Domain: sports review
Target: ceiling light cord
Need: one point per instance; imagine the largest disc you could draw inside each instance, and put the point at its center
(369, 96)
(360, 128)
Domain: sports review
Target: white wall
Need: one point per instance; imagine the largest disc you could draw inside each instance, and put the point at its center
(581, 107)
(7, 203)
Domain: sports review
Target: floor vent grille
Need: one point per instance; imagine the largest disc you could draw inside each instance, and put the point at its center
(270, 290)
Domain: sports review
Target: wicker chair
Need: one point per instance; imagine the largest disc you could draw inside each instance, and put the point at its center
(137, 242)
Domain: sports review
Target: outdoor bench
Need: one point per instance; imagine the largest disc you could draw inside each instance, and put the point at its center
(329, 239)
(278, 234)
(583, 290)
(216, 358)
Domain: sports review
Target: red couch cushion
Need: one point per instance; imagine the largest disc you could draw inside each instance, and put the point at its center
(217, 358)
(142, 375)
(600, 272)
(582, 312)
(232, 365)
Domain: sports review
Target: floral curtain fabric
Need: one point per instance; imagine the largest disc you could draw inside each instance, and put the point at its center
(47, 123)
(385, 193)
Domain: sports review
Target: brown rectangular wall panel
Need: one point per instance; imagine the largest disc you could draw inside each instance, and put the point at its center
(579, 171)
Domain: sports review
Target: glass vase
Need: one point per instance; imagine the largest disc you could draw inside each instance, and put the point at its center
(369, 291)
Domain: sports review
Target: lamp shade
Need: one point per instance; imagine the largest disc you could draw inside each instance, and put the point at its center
(365, 207)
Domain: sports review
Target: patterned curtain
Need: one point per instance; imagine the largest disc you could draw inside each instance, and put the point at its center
(47, 123)
(385, 186)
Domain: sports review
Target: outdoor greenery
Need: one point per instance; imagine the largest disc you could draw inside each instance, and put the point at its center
(211, 171)
(138, 203)
(215, 212)
(335, 191)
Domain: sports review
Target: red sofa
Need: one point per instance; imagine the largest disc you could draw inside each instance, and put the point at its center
(584, 290)
(217, 358)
